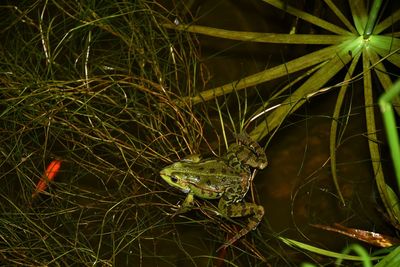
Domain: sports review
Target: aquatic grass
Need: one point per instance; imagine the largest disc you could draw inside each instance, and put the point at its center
(90, 84)
(391, 259)
(390, 125)
(362, 253)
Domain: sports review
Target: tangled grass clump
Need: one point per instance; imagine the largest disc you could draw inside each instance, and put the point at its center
(89, 84)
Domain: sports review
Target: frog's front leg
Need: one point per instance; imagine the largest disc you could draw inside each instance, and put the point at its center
(186, 206)
(241, 209)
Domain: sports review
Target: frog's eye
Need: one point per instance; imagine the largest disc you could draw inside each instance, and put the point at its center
(174, 179)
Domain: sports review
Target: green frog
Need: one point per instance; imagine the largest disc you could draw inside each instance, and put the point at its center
(227, 178)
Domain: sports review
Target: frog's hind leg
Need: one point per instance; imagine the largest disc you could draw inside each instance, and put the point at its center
(248, 152)
(242, 209)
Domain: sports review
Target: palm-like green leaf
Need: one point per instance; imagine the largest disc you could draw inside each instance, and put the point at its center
(335, 118)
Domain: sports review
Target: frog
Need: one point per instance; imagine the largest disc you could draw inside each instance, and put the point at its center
(226, 178)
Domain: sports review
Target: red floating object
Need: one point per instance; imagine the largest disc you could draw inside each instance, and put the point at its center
(50, 173)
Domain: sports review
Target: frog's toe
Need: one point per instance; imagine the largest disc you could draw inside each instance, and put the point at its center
(171, 212)
(175, 211)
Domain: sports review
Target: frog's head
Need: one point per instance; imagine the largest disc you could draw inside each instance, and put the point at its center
(175, 176)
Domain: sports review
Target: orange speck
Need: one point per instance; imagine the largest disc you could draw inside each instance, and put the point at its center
(50, 173)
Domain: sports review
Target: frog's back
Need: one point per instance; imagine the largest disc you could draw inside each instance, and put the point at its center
(211, 178)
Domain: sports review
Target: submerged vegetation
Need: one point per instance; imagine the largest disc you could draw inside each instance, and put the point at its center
(115, 90)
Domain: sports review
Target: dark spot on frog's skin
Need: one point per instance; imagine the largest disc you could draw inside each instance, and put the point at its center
(231, 157)
(208, 182)
(254, 220)
(231, 172)
(248, 158)
(237, 165)
(241, 149)
(226, 197)
(252, 211)
(244, 211)
(201, 168)
(229, 210)
(212, 170)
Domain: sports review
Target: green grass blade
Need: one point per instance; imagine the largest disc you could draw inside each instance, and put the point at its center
(388, 22)
(266, 105)
(390, 260)
(312, 85)
(341, 16)
(320, 251)
(262, 37)
(267, 75)
(387, 47)
(365, 258)
(308, 17)
(387, 43)
(360, 14)
(373, 15)
(391, 127)
(387, 199)
(384, 78)
(395, 204)
(335, 118)
(393, 58)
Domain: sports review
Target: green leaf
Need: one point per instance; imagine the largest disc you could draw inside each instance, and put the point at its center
(394, 204)
(262, 37)
(308, 17)
(341, 16)
(360, 14)
(388, 22)
(372, 17)
(292, 66)
(320, 251)
(335, 118)
(365, 258)
(308, 88)
(387, 47)
(386, 196)
(391, 260)
(383, 77)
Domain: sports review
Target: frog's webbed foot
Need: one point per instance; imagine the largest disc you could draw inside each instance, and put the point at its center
(186, 206)
(175, 210)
